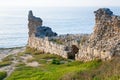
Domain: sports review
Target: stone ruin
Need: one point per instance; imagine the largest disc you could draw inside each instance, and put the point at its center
(103, 43)
(44, 39)
(36, 29)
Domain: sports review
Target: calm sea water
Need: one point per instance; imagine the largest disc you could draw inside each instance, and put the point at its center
(14, 29)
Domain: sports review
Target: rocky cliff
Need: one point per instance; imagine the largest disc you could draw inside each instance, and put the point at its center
(103, 43)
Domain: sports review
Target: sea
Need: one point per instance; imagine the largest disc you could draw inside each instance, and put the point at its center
(63, 20)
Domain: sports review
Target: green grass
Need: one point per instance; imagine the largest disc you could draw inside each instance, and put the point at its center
(69, 70)
(8, 58)
(2, 75)
(108, 70)
(5, 63)
(50, 70)
(32, 51)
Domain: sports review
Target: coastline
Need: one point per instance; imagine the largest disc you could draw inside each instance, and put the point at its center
(12, 48)
(4, 52)
(66, 57)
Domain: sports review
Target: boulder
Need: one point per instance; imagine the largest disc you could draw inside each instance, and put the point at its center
(43, 31)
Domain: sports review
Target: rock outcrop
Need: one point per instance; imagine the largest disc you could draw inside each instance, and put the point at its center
(104, 42)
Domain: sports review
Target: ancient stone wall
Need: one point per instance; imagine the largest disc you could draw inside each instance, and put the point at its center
(47, 46)
(103, 43)
(67, 48)
(44, 39)
(105, 40)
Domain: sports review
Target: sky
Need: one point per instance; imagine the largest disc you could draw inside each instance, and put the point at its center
(58, 3)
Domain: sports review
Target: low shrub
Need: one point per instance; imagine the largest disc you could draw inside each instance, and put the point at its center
(8, 58)
(56, 61)
(3, 75)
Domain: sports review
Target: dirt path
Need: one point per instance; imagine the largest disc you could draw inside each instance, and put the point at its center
(6, 52)
(23, 58)
(9, 51)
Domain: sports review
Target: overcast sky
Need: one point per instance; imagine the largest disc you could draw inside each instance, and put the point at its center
(58, 3)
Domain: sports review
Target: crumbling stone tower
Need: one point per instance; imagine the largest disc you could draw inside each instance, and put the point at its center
(104, 42)
(33, 23)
